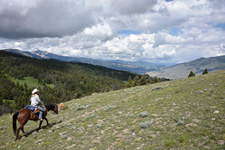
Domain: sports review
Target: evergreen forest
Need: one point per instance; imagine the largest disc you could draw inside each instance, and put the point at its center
(57, 81)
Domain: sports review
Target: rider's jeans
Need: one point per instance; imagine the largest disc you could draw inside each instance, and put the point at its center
(41, 111)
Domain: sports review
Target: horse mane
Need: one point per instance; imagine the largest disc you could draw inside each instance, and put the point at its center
(50, 106)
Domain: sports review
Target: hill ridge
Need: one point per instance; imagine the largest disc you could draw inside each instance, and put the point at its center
(136, 67)
(197, 66)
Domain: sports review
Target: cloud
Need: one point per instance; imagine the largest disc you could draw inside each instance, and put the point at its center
(102, 31)
(128, 7)
(40, 18)
(150, 30)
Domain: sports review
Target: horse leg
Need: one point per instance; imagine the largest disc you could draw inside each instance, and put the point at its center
(42, 121)
(23, 130)
(18, 130)
(40, 124)
(47, 121)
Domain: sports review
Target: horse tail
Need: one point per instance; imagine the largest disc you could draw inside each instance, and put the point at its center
(14, 121)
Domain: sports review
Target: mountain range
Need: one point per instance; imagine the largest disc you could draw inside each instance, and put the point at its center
(169, 71)
(197, 66)
(139, 67)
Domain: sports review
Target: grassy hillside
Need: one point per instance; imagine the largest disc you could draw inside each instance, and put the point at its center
(180, 114)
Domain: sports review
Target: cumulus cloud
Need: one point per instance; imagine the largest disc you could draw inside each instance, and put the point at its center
(157, 30)
(40, 18)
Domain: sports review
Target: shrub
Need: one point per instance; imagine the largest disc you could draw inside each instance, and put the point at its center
(205, 72)
(191, 74)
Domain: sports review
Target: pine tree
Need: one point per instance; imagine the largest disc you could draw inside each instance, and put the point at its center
(1, 101)
(191, 74)
(205, 72)
(156, 80)
(163, 79)
(136, 81)
(143, 80)
(129, 82)
(107, 89)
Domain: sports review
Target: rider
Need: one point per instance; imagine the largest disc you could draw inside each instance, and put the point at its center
(36, 102)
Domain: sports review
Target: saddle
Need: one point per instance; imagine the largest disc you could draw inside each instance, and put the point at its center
(36, 110)
(32, 109)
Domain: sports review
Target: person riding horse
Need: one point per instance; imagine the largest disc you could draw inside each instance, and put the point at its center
(36, 102)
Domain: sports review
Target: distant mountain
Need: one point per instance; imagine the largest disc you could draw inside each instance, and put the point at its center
(197, 66)
(24, 53)
(139, 67)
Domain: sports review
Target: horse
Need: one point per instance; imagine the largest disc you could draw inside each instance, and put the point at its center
(25, 114)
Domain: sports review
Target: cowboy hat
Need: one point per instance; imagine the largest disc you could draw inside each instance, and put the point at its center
(34, 91)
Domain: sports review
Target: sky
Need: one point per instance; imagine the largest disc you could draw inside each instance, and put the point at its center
(161, 31)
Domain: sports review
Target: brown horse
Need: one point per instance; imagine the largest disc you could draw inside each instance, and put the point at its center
(25, 114)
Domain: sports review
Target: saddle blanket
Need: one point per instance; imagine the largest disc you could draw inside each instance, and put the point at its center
(33, 109)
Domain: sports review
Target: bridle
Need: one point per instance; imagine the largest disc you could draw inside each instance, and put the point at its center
(56, 109)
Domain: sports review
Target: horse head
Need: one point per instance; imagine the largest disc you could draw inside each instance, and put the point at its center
(56, 109)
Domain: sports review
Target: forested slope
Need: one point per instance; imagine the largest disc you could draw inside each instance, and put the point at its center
(57, 81)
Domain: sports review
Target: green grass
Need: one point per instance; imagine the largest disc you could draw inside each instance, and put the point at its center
(31, 82)
(112, 120)
(10, 101)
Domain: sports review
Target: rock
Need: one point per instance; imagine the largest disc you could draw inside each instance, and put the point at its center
(38, 141)
(213, 119)
(145, 124)
(2, 128)
(89, 116)
(80, 108)
(68, 124)
(62, 133)
(110, 107)
(34, 133)
(49, 130)
(99, 124)
(64, 136)
(216, 112)
(74, 128)
(40, 130)
(144, 114)
(83, 107)
(157, 88)
(221, 142)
